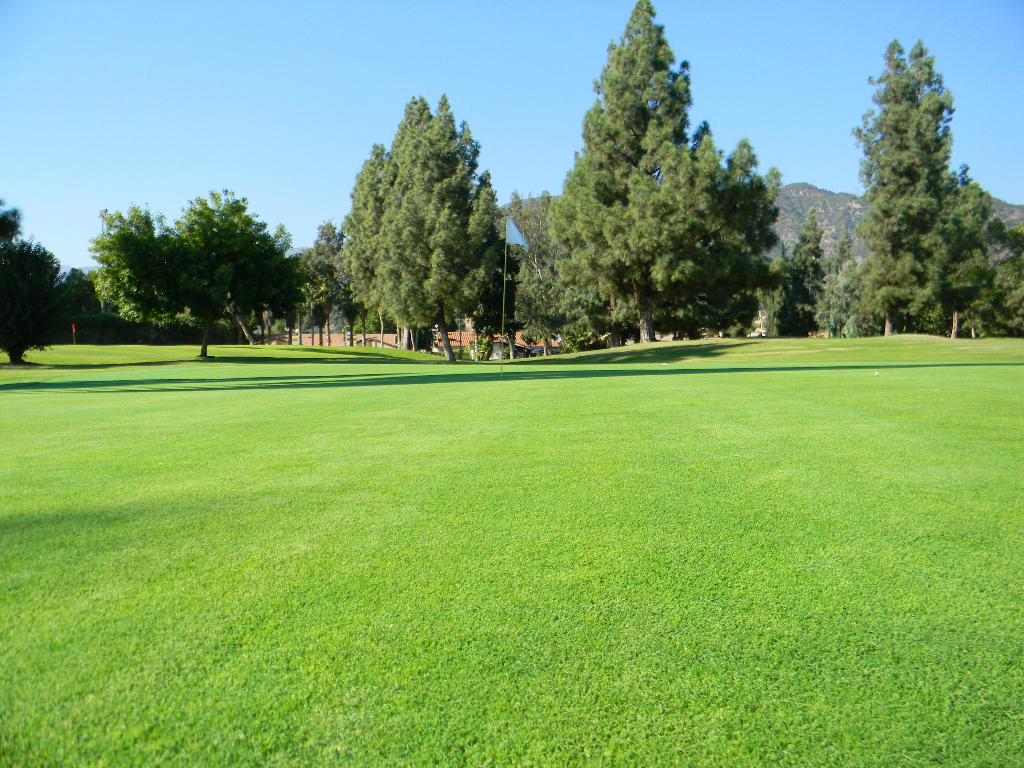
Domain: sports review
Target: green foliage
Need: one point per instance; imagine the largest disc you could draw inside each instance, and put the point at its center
(231, 261)
(483, 344)
(80, 293)
(423, 240)
(499, 297)
(1004, 298)
(365, 249)
(138, 257)
(802, 282)
(329, 247)
(538, 302)
(657, 220)
(325, 284)
(580, 339)
(33, 298)
(217, 260)
(959, 270)
(905, 170)
(837, 312)
(10, 222)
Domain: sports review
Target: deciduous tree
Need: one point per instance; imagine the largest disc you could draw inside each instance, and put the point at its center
(218, 260)
(539, 293)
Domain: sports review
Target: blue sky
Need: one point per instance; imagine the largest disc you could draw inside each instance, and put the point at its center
(109, 104)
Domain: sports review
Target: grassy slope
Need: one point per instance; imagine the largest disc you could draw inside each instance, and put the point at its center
(726, 554)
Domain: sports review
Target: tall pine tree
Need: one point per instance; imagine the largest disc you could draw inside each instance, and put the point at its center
(653, 219)
(905, 170)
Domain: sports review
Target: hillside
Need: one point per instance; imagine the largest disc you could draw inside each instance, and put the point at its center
(839, 212)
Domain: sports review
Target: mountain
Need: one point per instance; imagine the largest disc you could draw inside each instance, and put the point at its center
(839, 212)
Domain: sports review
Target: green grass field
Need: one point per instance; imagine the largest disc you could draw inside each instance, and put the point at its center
(745, 553)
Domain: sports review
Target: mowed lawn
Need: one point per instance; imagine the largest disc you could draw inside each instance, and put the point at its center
(740, 553)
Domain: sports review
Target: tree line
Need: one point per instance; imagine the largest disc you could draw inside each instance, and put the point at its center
(658, 231)
(937, 254)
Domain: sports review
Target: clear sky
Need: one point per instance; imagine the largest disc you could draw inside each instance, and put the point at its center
(108, 104)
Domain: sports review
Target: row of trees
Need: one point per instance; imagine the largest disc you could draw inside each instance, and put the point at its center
(975, 276)
(931, 233)
(937, 253)
(658, 230)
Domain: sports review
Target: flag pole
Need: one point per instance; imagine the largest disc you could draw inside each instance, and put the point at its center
(504, 270)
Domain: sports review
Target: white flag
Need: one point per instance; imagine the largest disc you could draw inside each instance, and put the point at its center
(513, 236)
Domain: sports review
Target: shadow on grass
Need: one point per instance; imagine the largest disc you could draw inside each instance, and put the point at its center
(333, 357)
(234, 383)
(660, 353)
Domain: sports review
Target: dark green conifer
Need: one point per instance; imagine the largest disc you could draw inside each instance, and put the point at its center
(655, 222)
(905, 170)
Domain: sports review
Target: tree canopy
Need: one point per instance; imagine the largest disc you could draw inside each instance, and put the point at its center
(10, 222)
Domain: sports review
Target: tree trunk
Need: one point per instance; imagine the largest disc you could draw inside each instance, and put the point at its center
(17, 356)
(207, 329)
(547, 346)
(328, 333)
(406, 338)
(244, 328)
(956, 324)
(446, 343)
(974, 332)
(289, 336)
(381, 316)
(646, 326)
(888, 324)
